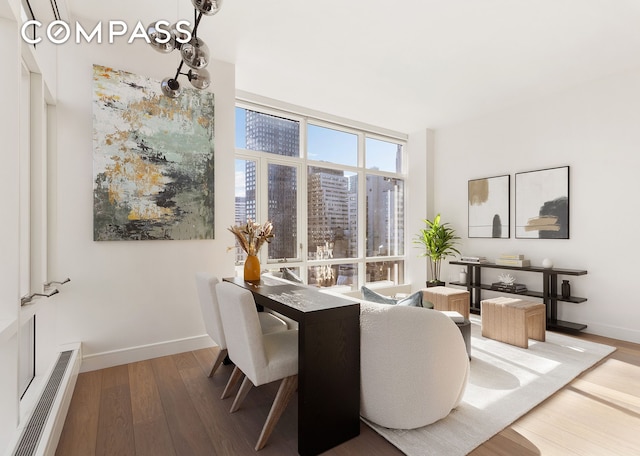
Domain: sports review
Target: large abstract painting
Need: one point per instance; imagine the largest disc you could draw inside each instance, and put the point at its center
(489, 207)
(153, 160)
(542, 204)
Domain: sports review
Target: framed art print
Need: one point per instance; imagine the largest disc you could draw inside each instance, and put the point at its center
(153, 160)
(542, 204)
(489, 204)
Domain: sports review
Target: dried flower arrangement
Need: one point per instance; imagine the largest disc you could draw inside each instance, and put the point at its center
(253, 235)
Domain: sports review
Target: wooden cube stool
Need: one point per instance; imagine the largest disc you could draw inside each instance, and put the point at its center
(444, 298)
(513, 321)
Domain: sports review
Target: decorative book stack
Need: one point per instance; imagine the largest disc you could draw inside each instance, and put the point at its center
(510, 259)
(509, 287)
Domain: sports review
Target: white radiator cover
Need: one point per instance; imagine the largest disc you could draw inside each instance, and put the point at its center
(40, 428)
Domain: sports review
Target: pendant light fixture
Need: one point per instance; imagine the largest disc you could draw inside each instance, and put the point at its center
(194, 51)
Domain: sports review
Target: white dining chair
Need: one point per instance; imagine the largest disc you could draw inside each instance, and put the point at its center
(209, 306)
(263, 358)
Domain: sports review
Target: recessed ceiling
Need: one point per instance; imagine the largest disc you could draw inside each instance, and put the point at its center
(406, 65)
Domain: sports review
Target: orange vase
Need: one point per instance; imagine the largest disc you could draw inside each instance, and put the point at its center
(252, 269)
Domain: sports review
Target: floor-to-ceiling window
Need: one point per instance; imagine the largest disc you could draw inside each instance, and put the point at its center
(334, 193)
(26, 341)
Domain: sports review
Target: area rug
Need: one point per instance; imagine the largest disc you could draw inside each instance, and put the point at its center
(505, 383)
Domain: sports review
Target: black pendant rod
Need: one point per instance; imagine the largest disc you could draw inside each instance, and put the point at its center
(198, 16)
(179, 68)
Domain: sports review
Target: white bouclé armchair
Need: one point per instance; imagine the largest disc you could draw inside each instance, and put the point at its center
(414, 365)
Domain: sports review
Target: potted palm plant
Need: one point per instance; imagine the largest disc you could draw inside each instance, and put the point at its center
(438, 241)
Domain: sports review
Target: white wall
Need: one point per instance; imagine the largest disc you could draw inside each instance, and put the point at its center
(125, 297)
(10, 172)
(594, 129)
(9, 227)
(419, 204)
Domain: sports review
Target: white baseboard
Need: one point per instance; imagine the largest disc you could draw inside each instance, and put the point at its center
(614, 332)
(112, 358)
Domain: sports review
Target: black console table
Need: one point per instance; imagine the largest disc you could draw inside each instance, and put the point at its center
(328, 359)
(549, 294)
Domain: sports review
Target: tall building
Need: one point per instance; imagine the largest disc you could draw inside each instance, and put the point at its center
(327, 210)
(384, 204)
(352, 205)
(272, 134)
(281, 137)
(241, 219)
(385, 227)
(385, 213)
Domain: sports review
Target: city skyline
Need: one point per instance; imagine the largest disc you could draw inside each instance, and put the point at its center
(380, 154)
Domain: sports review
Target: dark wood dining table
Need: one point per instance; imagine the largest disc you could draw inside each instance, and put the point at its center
(329, 359)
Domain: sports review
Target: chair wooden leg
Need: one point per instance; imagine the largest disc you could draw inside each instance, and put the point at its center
(236, 375)
(216, 363)
(242, 393)
(288, 386)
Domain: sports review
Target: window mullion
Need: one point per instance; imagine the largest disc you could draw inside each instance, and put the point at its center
(303, 215)
(362, 213)
(262, 199)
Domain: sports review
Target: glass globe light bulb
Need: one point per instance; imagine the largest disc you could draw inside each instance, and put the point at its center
(180, 36)
(200, 79)
(207, 7)
(162, 42)
(195, 53)
(171, 87)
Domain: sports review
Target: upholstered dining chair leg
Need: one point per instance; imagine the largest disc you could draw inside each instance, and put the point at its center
(287, 388)
(236, 375)
(242, 393)
(216, 363)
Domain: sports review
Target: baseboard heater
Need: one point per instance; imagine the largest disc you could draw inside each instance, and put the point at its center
(33, 432)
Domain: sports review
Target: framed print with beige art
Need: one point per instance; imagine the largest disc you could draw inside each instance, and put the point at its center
(542, 204)
(489, 204)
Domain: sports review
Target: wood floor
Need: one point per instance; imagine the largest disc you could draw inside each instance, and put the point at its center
(168, 406)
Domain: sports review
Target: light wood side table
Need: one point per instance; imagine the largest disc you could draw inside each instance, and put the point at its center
(444, 298)
(513, 321)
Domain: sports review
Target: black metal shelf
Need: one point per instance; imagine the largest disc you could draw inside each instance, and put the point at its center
(565, 326)
(549, 295)
(534, 294)
(557, 271)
